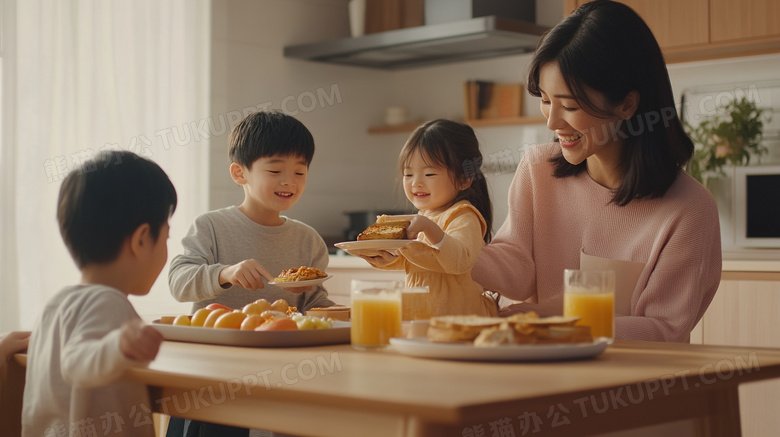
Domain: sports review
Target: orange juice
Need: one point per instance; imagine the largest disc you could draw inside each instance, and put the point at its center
(374, 321)
(596, 310)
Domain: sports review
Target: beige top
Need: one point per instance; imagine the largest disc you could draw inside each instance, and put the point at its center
(446, 271)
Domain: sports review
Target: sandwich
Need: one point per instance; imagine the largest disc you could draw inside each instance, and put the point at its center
(526, 328)
(385, 228)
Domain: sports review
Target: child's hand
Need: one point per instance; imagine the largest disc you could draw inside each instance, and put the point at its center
(139, 341)
(248, 274)
(421, 224)
(12, 343)
(379, 257)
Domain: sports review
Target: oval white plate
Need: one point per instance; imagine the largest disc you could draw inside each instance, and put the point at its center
(421, 347)
(373, 245)
(297, 284)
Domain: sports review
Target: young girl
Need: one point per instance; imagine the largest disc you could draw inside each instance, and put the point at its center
(441, 177)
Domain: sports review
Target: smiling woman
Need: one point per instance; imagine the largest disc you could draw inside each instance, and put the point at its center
(611, 190)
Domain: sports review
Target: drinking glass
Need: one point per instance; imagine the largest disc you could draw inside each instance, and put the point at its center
(376, 313)
(590, 295)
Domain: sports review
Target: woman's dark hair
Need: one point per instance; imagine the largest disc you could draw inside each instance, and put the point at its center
(104, 200)
(605, 46)
(454, 146)
(269, 133)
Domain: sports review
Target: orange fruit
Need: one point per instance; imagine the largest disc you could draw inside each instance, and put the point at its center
(280, 305)
(230, 320)
(213, 316)
(278, 325)
(251, 322)
(183, 320)
(200, 317)
(264, 304)
(254, 308)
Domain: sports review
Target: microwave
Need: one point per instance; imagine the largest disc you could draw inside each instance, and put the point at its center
(757, 206)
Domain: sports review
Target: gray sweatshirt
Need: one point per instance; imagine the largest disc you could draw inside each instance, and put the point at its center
(225, 237)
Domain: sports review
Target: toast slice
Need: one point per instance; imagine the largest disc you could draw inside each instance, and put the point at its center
(385, 228)
(459, 328)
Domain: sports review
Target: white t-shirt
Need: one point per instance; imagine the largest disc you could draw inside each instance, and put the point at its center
(73, 367)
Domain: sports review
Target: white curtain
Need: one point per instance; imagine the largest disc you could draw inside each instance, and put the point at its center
(78, 77)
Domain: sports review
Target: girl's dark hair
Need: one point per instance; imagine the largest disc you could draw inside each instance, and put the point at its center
(269, 133)
(104, 200)
(605, 46)
(453, 146)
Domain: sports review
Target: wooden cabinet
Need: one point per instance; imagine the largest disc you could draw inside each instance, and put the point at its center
(674, 23)
(745, 312)
(708, 29)
(748, 19)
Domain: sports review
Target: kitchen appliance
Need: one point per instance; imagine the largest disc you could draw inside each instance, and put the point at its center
(757, 206)
(509, 29)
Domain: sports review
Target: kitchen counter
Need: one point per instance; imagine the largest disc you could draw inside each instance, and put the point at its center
(752, 261)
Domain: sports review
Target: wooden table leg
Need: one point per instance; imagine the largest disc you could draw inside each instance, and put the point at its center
(11, 393)
(722, 418)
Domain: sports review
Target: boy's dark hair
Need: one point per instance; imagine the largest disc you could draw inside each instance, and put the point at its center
(606, 47)
(104, 200)
(455, 147)
(269, 133)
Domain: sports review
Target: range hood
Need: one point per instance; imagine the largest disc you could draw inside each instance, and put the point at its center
(475, 38)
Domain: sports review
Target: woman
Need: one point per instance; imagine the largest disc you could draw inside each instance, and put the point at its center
(611, 190)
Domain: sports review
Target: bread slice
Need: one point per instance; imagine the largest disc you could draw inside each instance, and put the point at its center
(385, 228)
(459, 328)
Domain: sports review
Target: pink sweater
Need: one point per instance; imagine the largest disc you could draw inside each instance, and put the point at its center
(676, 237)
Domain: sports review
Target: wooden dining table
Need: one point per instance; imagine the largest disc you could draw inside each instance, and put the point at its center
(335, 390)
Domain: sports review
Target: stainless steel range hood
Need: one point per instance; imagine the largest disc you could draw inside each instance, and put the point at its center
(475, 38)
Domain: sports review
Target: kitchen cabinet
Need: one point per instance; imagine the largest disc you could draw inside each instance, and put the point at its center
(708, 29)
(732, 20)
(744, 313)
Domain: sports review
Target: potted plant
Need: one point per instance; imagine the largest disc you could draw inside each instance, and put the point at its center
(732, 137)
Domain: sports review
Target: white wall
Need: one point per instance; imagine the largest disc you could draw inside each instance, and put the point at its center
(353, 170)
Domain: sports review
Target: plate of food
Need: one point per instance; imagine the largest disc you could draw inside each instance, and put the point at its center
(523, 337)
(339, 332)
(302, 276)
(387, 233)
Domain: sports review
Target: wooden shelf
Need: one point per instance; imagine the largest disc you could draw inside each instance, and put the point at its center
(487, 122)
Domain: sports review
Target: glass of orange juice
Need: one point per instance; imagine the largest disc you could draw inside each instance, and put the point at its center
(376, 313)
(590, 295)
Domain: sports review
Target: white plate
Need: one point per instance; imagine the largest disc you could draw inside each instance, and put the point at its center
(421, 347)
(373, 245)
(297, 284)
(339, 333)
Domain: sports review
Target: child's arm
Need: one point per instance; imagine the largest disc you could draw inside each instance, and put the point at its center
(196, 275)
(12, 343)
(457, 252)
(101, 338)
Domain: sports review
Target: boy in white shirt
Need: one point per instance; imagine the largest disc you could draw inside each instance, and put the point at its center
(113, 215)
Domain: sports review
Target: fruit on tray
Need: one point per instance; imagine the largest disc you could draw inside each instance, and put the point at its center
(259, 315)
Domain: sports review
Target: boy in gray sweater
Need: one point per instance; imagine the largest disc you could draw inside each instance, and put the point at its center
(231, 254)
